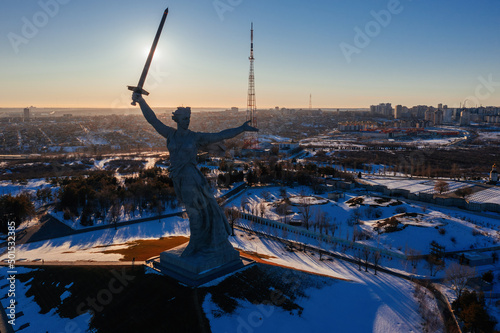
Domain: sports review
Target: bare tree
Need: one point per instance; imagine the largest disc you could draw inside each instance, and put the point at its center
(458, 275)
(231, 214)
(320, 220)
(355, 233)
(359, 258)
(355, 217)
(413, 257)
(244, 203)
(266, 195)
(262, 209)
(115, 214)
(377, 256)
(441, 186)
(283, 193)
(305, 210)
(434, 264)
(463, 192)
(366, 257)
(282, 209)
(333, 227)
(159, 209)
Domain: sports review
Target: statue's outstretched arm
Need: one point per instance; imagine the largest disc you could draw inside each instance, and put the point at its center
(209, 138)
(150, 116)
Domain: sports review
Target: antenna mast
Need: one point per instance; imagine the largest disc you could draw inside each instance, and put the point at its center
(251, 138)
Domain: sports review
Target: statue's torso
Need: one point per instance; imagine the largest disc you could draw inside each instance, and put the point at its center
(183, 150)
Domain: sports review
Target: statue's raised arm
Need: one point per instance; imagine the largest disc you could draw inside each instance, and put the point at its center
(209, 138)
(150, 116)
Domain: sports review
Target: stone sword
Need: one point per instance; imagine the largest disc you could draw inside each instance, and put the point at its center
(139, 88)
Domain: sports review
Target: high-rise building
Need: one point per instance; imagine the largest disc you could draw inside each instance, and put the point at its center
(382, 109)
(448, 115)
(27, 114)
(465, 117)
(438, 117)
(398, 111)
(429, 115)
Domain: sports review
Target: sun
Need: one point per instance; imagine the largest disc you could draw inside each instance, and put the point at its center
(146, 51)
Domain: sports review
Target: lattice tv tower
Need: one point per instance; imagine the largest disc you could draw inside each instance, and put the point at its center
(251, 140)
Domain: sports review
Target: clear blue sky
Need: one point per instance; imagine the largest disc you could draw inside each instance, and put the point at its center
(83, 53)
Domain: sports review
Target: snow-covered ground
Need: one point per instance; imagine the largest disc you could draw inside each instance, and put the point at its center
(413, 185)
(356, 140)
(89, 246)
(15, 188)
(491, 195)
(489, 136)
(388, 304)
(48, 322)
(328, 142)
(420, 225)
(456, 230)
(272, 138)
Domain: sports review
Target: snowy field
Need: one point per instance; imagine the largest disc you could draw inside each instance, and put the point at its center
(413, 185)
(352, 142)
(489, 136)
(89, 246)
(31, 186)
(49, 322)
(418, 224)
(491, 195)
(388, 304)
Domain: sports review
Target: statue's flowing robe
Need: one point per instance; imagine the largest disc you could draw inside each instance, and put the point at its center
(207, 222)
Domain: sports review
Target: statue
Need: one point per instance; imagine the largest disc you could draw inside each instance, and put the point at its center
(207, 222)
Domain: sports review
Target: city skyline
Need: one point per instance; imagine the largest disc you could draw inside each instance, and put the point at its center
(63, 53)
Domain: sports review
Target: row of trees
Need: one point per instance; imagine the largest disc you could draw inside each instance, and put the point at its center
(457, 163)
(442, 186)
(288, 173)
(101, 195)
(470, 309)
(15, 208)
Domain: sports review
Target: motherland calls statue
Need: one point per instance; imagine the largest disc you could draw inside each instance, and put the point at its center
(207, 222)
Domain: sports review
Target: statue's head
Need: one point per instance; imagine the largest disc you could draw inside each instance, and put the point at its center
(181, 111)
(182, 116)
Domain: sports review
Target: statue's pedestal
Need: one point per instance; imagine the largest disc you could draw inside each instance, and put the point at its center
(197, 269)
